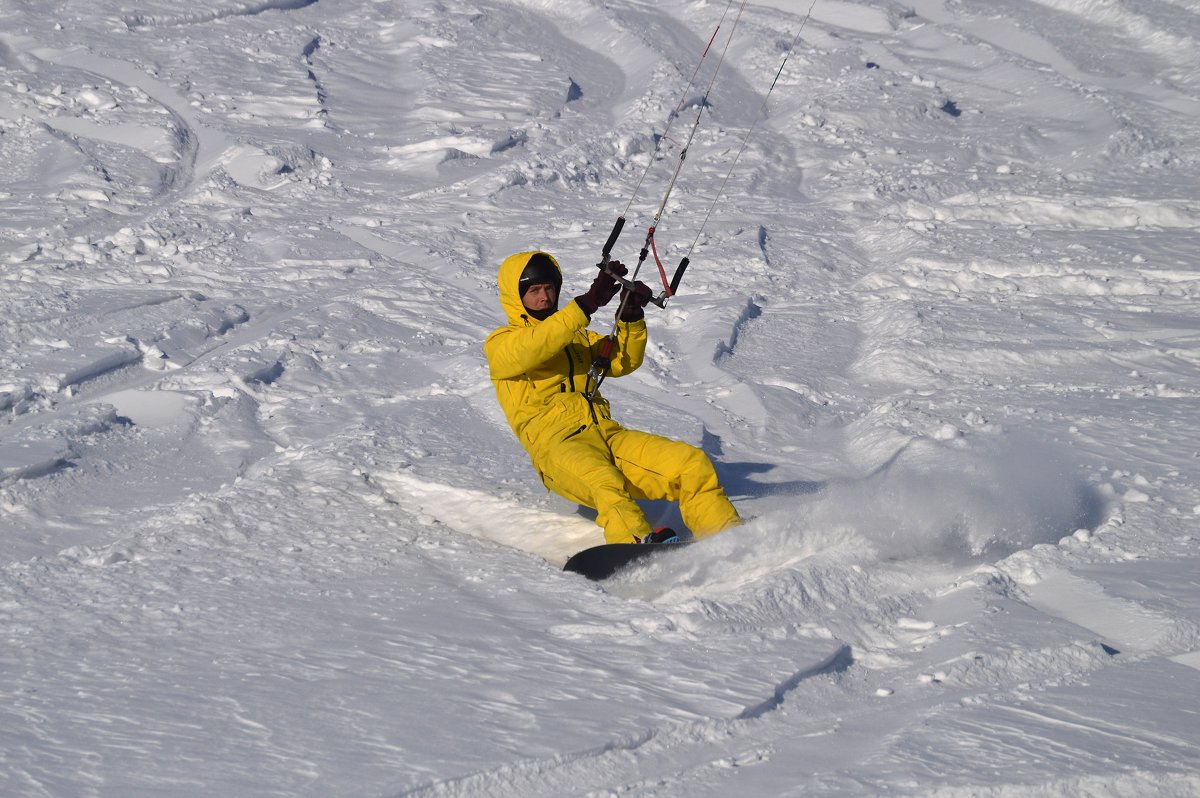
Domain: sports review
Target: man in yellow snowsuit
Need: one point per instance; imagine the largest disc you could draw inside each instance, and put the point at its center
(539, 365)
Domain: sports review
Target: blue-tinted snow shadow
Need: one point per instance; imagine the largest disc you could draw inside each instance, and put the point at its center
(738, 478)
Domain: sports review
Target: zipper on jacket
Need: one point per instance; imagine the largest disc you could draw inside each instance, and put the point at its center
(570, 368)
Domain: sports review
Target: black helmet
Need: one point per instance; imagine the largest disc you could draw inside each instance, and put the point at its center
(540, 269)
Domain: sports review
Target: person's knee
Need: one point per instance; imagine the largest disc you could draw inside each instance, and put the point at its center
(696, 472)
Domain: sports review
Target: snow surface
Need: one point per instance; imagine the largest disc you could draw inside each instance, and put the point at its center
(264, 531)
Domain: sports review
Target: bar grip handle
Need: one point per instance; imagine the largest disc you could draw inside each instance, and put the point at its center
(613, 236)
(683, 264)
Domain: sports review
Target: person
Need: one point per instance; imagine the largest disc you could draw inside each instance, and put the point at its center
(539, 364)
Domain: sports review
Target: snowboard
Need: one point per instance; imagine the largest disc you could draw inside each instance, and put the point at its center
(601, 562)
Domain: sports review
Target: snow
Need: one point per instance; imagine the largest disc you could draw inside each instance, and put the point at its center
(264, 530)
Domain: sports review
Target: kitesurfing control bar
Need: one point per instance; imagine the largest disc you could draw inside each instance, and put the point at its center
(630, 285)
(660, 300)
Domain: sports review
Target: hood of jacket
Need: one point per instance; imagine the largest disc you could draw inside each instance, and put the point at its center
(510, 292)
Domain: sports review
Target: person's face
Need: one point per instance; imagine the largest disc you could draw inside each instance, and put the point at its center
(540, 296)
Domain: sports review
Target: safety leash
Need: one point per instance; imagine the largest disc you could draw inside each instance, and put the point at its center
(762, 112)
(602, 361)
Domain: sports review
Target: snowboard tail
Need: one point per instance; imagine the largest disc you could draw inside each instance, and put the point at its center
(601, 562)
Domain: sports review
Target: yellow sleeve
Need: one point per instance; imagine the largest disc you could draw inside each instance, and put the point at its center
(631, 347)
(511, 351)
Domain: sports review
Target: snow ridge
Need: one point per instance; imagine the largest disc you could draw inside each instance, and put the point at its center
(135, 21)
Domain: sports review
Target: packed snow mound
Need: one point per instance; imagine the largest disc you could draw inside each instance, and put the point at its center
(963, 498)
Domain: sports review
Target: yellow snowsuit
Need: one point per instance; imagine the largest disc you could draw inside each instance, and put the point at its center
(539, 369)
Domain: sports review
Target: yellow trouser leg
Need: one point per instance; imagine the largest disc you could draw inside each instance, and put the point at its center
(581, 470)
(660, 468)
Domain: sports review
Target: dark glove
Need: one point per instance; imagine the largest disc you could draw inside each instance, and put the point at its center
(602, 289)
(635, 302)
